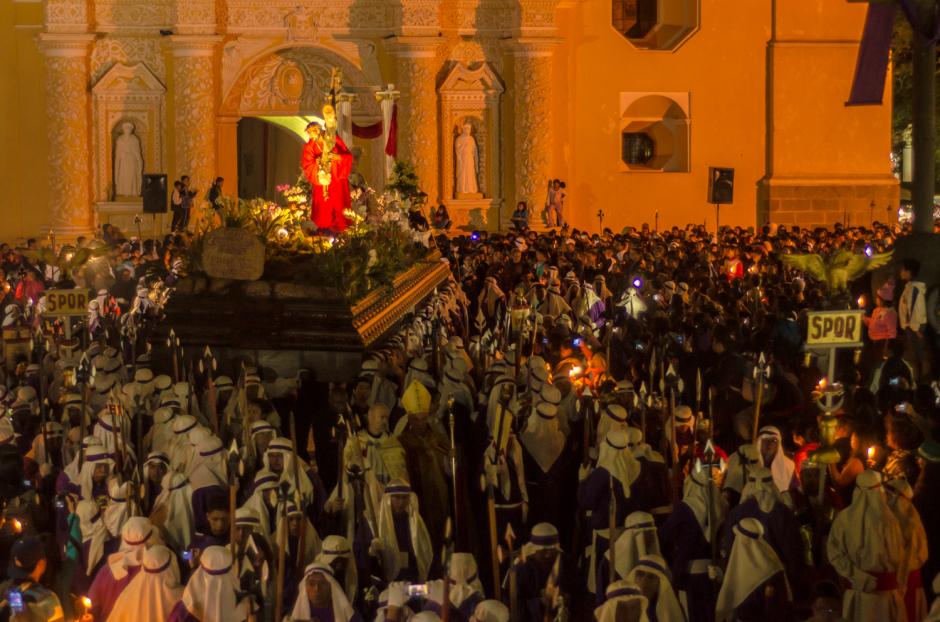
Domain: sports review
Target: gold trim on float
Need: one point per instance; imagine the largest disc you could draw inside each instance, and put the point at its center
(375, 314)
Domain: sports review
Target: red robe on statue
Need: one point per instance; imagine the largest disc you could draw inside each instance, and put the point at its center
(327, 212)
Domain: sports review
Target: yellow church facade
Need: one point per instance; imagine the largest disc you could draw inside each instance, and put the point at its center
(629, 102)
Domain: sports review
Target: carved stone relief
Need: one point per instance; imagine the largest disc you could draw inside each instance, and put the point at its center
(109, 51)
(295, 80)
(127, 93)
(472, 96)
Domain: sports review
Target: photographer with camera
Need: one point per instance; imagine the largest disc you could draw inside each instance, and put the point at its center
(25, 598)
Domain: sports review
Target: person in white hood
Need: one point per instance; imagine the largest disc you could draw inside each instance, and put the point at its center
(652, 577)
(755, 585)
(865, 547)
(152, 594)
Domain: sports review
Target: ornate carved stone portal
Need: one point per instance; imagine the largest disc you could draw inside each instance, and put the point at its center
(126, 94)
(184, 72)
(472, 96)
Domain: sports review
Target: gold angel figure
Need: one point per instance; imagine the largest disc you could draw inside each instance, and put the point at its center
(838, 268)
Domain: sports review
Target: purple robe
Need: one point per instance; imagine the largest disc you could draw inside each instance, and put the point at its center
(202, 541)
(105, 589)
(781, 531)
(682, 543)
(181, 614)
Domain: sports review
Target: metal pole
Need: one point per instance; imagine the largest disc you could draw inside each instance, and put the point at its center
(923, 116)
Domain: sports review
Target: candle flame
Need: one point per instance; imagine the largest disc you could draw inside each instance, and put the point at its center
(822, 383)
(574, 371)
(17, 525)
(861, 302)
(86, 603)
(871, 452)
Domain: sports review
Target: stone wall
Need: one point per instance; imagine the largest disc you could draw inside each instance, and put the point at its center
(824, 205)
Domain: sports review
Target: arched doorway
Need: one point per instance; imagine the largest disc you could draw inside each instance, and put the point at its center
(269, 152)
(264, 111)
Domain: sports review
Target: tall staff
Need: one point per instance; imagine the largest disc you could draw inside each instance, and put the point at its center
(173, 343)
(234, 462)
(761, 375)
(453, 466)
(39, 347)
(207, 365)
(297, 496)
(669, 382)
(83, 375)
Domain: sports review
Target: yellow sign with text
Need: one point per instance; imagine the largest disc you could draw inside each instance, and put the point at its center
(61, 302)
(834, 328)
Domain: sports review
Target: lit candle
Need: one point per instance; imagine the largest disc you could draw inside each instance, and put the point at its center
(861, 302)
(86, 604)
(574, 372)
(871, 452)
(822, 383)
(17, 525)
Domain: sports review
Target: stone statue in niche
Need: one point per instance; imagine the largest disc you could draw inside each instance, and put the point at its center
(128, 162)
(467, 163)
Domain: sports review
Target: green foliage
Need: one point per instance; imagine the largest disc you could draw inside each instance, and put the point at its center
(369, 255)
(903, 87)
(404, 180)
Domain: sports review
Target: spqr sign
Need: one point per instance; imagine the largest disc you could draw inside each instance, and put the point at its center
(834, 328)
(66, 302)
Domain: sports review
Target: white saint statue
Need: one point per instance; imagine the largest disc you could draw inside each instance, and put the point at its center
(128, 163)
(465, 148)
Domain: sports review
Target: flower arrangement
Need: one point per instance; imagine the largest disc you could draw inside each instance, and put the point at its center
(294, 195)
(378, 245)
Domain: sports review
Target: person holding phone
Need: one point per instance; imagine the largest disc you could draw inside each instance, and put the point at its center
(24, 598)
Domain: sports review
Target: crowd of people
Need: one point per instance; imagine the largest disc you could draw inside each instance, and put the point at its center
(610, 427)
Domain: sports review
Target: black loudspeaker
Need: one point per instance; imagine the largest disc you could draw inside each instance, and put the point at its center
(154, 190)
(720, 185)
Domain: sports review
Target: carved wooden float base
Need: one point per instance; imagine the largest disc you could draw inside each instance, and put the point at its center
(288, 326)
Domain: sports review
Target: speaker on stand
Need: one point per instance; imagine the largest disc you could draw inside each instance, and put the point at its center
(154, 191)
(720, 190)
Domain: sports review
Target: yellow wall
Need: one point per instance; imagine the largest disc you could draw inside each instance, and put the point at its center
(805, 131)
(813, 64)
(23, 197)
(722, 66)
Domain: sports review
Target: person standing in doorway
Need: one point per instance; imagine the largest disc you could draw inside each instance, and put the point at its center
(187, 195)
(555, 203)
(176, 204)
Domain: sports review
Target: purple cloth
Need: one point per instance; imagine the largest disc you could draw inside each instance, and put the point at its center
(105, 589)
(181, 614)
(597, 313)
(871, 66)
(202, 541)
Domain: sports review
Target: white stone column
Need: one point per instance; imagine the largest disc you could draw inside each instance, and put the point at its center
(194, 114)
(344, 104)
(387, 99)
(533, 128)
(68, 133)
(416, 60)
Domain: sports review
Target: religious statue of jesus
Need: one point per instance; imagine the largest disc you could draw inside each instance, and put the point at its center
(326, 163)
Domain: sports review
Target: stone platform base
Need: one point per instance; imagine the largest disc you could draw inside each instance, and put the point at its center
(824, 202)
(471, 214)
(121, 214)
